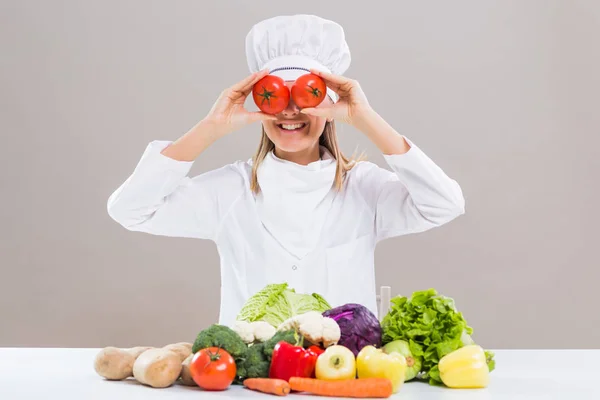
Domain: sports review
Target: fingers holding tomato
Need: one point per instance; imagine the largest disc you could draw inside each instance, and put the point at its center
(245, 85)
(213, 369)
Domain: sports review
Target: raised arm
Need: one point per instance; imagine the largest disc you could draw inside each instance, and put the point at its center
(159, 197)
(417, 195)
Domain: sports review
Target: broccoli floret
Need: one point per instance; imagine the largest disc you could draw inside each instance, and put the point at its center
(257, 361)
(287, 336)
(255, 365)
(223, 337)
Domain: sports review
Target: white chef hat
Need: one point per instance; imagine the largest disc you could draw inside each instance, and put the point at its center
(290, 45)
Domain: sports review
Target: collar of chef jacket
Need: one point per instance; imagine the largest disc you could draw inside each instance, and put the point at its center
(294, 199)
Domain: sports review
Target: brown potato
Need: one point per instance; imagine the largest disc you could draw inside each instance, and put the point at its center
(136, 351)
(182, 350)
(113, 363)
(186, 377)
(186, 344)
(158, 368)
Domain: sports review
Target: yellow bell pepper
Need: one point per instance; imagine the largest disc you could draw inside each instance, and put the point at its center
(465, 368)
(374, 363)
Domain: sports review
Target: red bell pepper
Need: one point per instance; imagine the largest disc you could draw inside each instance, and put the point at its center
(289, 360)
(316, 349)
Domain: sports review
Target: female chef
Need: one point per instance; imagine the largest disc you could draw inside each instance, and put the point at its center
(299, 211)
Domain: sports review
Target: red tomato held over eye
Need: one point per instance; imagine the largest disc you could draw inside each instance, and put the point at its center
(309, 91)
(213, 369)
(271, 95)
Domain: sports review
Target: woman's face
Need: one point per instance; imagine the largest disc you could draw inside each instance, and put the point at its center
(294, 132)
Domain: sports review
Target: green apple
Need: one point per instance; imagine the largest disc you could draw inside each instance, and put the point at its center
(336, 363)
(413, 363)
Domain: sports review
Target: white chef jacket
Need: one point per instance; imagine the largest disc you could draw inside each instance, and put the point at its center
(336, 257)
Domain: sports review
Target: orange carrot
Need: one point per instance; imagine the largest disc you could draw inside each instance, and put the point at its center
(357, 388)
(278, 387)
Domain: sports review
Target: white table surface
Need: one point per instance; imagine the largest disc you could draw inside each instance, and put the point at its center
(30, 373)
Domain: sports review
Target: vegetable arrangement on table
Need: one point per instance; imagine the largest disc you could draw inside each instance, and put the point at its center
(284, 342)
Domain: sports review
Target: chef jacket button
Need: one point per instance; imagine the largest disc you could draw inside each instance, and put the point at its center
(295, 267)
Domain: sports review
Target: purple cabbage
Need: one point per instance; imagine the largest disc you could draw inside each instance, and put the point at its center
(358, 325)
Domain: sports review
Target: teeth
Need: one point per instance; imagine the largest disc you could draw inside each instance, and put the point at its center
(291, 127)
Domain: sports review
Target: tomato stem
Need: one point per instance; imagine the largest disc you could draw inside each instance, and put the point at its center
(266, 95)
(214, 356)
(314, 91)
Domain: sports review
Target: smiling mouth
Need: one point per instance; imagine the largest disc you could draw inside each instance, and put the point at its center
(292, 127)
(297, 127)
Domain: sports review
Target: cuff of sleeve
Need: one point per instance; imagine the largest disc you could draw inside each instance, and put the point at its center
(154, 159)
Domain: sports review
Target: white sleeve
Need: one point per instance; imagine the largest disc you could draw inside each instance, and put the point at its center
(159, 198)
(415, 197)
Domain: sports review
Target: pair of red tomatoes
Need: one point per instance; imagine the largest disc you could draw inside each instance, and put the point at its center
(272, 96)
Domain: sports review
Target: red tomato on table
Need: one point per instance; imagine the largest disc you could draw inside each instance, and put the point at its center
(271, 95)
(213, 369)
(309, 90)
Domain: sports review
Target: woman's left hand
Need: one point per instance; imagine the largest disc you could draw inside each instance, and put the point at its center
(351, 105)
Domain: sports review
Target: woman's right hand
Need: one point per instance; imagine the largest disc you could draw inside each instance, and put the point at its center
(228, 112)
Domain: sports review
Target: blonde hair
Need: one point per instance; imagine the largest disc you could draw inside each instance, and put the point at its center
(328, 139)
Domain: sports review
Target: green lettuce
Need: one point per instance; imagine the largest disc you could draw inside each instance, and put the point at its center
(432, 326)
(276, 303)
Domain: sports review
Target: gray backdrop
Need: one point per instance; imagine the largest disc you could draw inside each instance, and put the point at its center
(503, 95)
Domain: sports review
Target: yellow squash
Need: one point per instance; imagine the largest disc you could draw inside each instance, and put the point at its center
(465, 368)
(374, 363)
